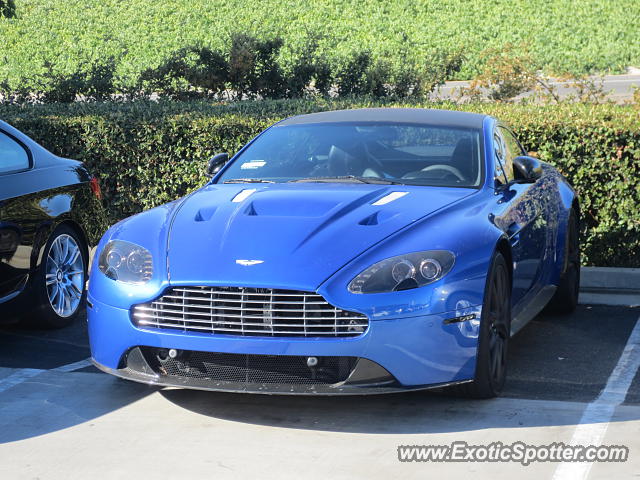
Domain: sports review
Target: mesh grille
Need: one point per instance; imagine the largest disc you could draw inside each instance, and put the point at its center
(242, 368)
(249, 312)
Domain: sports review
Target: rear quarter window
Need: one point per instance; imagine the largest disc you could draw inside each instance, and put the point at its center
(13, 156)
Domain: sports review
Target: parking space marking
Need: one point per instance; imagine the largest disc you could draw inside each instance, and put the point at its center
(25, 374)
(74, 366)
(18, 377)
(596, 417)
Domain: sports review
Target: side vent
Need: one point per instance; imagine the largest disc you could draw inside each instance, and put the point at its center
(377, 218)
(204, 214)
(251, 210)
(370, 220)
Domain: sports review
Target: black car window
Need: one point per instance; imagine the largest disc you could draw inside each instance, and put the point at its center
(13, 156)
(500, 152)
(513, 150)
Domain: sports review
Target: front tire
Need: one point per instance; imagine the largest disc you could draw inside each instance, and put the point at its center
(59, 284)
(495, 330)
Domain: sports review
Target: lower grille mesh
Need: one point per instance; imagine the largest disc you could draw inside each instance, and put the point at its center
(243, 368)
(249, 312)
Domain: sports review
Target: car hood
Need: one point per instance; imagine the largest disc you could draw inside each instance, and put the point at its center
(289, 236)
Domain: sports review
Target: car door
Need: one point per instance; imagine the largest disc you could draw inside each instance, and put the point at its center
(522, 217)
(15, 241)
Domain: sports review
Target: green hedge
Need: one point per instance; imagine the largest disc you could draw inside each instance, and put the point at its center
(149, 153)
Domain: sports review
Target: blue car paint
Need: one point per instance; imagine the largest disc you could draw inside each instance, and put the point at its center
(318, 237)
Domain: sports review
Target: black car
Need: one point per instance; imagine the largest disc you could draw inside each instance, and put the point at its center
(51, 215)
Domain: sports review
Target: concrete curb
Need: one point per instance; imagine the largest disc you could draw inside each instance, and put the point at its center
(610, 278)
(610, 286)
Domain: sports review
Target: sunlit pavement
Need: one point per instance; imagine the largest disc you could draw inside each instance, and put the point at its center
(60, 418)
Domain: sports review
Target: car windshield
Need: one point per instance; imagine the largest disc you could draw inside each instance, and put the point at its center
(361, 153)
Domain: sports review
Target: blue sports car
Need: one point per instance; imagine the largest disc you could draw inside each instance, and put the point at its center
(354, 251)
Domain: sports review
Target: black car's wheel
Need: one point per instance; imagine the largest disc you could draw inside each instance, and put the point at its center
(59, 284)
(565, 299)
(493, 339)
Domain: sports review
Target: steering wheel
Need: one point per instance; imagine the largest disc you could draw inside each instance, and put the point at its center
(447, 168)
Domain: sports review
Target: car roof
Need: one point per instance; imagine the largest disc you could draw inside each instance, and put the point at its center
(420, 116)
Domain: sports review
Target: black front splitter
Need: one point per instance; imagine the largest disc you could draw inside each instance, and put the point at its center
(148, 376)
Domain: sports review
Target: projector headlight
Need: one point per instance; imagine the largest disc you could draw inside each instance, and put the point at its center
(126, 262)
(404, 272)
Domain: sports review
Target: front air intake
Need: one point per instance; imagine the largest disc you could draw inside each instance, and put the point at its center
(248, 312)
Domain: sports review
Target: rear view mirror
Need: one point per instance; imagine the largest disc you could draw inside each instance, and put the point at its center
(216, 163)
(526, 169)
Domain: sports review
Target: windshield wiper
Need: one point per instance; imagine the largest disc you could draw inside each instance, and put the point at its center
(347, 178)
(248, 180)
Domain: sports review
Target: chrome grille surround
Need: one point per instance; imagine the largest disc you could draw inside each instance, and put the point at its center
(248, 312)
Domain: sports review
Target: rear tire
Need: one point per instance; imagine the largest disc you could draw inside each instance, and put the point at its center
(493, 339)
(565, 300)
(59, 284)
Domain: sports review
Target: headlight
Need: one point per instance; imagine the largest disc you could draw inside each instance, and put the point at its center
(403, 272)
(126, 262)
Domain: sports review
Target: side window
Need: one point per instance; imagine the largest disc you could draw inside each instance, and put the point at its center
(500, 151)
(13, 156)
(513, 150)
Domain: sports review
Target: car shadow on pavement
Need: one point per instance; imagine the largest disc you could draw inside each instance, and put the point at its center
(52, 401)
(403, 413)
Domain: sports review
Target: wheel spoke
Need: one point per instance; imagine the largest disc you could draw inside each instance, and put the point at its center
(67, 301)
(53, 261)
(74, 256)
(65, 250)
(502, 283)
(75, 291)
(53, 294)
(494, 299)
(495, 360)
(498, 369)
(60, 301)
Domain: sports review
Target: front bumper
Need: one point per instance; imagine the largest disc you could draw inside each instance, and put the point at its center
(416, 352)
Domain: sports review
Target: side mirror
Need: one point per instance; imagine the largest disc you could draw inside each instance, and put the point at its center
(526, 169)
(216, 163)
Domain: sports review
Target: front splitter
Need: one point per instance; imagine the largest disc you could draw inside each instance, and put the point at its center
(145, 374)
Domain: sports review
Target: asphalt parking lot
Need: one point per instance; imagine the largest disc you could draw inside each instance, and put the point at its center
(62, 418)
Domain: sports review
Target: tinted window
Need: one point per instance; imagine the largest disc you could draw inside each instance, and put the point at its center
(411, 154)
(13, 156)
(513, 150)
(500, 152)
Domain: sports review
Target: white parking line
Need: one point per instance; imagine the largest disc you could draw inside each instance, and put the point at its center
(18, 377)
(596, 417)
(25, 374)
(74, 366)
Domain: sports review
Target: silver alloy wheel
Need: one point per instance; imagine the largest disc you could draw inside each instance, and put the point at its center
(64, 275)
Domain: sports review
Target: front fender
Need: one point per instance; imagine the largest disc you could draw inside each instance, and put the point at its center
(149, 229)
